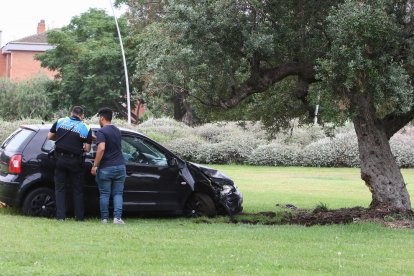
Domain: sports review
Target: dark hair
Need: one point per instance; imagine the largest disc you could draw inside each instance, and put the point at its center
(106, 112)
(77, 110)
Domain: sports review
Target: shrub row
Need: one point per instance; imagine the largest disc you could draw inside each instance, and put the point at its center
(248, 143)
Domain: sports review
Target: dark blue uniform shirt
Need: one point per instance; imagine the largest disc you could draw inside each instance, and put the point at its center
(72, 142)
(111, 136)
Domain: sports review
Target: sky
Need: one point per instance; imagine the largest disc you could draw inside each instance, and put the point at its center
(19, 18)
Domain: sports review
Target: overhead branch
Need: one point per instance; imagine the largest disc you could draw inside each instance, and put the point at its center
(261, 81)
(395, 121)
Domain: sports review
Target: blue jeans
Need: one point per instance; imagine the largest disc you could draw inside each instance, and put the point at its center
(110, 181)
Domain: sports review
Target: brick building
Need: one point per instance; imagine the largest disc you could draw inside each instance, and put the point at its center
(17, 61)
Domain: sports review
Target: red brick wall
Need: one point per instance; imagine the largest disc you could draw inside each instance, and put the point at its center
(24, 66)
(2, 65)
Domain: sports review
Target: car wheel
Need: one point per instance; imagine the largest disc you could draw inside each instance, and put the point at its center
(199, 205)
(40, 203)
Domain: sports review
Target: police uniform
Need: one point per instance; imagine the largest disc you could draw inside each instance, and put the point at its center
(71, 134)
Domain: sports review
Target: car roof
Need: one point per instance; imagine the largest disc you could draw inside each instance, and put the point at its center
(37, 127)
(46, 127)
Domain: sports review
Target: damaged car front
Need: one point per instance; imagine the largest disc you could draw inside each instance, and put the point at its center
(226, 192)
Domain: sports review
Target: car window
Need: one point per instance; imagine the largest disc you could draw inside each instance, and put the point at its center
(48, 145)
(92, 153)
(140, 151)
(17, 140)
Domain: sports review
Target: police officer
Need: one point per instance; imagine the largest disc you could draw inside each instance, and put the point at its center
(72, 137)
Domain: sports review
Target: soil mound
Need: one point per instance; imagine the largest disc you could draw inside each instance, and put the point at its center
(350, 215)
(322, 216)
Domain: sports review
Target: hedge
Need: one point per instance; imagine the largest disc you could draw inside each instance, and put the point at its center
(249, 143)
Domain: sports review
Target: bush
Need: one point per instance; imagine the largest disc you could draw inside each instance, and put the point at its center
(164, 129)
(339, 151)
(213, 133)
(304, 135)
(317, 154)
(402, 147)
(226, 152)
(227, 143)
(246, 143)
(7, 127)
(346, 150)
(24, 99)
(274, 154)
(187, 148)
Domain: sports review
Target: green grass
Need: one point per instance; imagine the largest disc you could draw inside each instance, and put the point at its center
(263, 187)
(181, 246)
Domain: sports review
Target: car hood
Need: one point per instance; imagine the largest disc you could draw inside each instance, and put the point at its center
(214, 174)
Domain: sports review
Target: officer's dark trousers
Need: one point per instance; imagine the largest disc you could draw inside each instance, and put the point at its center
(69, 171)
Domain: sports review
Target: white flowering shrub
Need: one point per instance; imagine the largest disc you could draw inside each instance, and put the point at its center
(346, 150)
(339, 151)
(317, 154)
(164, 129)
(402, 147)
(187, 148)
(304, 135)
(235, 149)
(213, 133)
(274, 154)
(227, 142)
(247, 143)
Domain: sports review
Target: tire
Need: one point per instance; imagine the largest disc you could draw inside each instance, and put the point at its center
(40, 203)
(199, 205)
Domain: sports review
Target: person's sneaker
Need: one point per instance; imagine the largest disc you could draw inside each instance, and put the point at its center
(118, 221)
(104, 221)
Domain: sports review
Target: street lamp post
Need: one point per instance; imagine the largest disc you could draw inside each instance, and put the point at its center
(125, 65)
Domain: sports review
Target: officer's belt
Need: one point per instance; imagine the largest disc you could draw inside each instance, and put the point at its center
(67, 154)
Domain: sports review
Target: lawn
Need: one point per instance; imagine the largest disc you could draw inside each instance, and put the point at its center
(182, 246)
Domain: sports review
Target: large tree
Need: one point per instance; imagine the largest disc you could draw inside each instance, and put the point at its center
(358, 55)
(88, 62)
(369, 70)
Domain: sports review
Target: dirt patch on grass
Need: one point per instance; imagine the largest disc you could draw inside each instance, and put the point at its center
(351, 215)
(322, 216)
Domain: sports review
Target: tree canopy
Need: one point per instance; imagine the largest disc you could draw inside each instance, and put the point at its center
(274, 58)
(88, 60)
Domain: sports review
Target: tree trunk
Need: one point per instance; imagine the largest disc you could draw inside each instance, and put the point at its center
(379, 169)
(182, 110)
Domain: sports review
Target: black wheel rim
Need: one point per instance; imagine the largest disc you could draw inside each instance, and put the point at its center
(42, 205)
(195, 208)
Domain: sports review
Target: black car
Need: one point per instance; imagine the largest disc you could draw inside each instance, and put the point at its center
(157, 180)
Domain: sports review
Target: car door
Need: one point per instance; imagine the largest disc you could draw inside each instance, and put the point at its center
(91, 190)
(151, 184)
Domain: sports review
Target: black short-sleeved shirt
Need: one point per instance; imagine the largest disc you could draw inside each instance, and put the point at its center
(72, 142)
(111, 136)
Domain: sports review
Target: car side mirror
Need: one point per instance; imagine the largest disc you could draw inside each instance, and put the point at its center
(173, 162)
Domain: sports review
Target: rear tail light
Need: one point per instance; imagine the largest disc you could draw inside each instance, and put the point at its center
(15, 164)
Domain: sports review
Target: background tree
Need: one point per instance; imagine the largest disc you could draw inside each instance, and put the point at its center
(264, 54)
(164, 91)
(88, 60)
